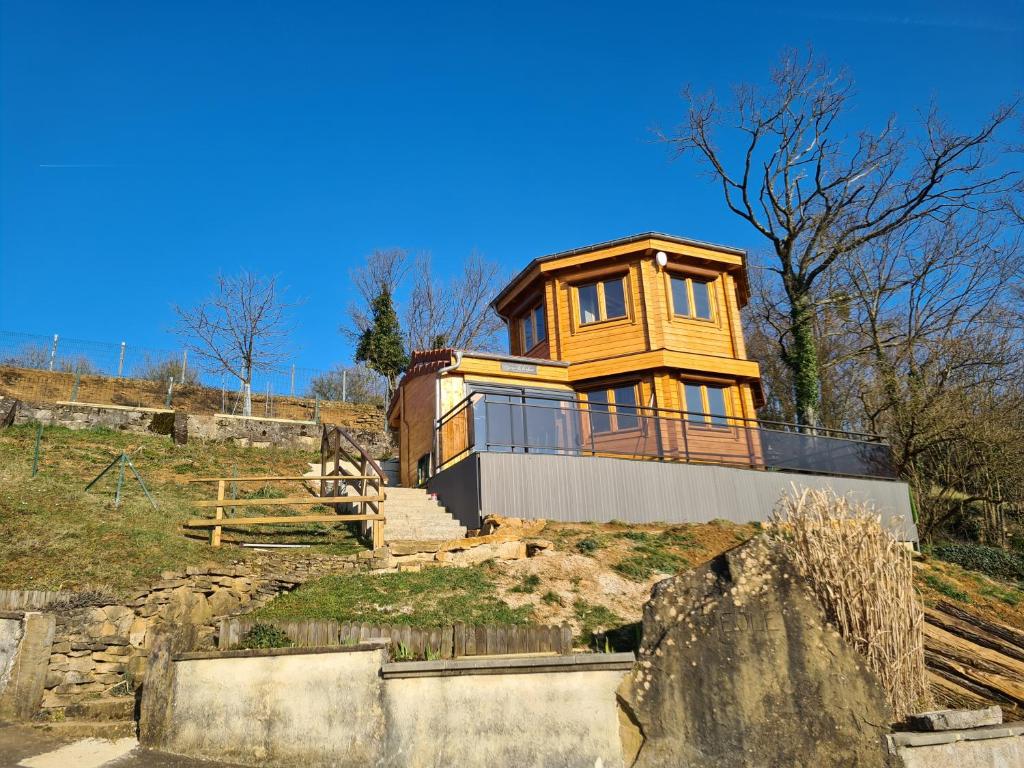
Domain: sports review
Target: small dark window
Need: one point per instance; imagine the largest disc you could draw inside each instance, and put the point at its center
(705, 404)
(539, 324)
(716, 406)
(534, 328)
(613, 409)
(604, 300)
(589, 310)
(614, 299)
(680, 297)
(701, 299)
(600, 413)
(691, 298)
(625, 407)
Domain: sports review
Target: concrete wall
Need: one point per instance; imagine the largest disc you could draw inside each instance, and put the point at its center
(346, 707)
(25, 643)
(310, 709)
(10, 638)
(489, 713)
(255, 432)
(997, 746)
(578, 488)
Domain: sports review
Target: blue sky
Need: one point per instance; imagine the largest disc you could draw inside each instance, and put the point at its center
(145, 146)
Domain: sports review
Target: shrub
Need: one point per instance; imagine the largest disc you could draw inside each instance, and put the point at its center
(649, 558)
(994, 562)
(589, 545)
(594, 619)
(266, 636)
(528, 584)
(85, 598)
(551, 598)
(944, 587)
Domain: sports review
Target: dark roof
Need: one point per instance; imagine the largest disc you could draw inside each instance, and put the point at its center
(613, 244)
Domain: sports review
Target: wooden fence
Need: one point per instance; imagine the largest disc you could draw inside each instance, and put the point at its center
(27, 600)
(446, 642)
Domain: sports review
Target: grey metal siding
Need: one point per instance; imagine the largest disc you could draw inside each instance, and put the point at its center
(458, 489)
(577, 489)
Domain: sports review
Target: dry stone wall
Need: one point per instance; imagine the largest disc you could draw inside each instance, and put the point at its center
(81, 416)
(102, 649)
(365, 422)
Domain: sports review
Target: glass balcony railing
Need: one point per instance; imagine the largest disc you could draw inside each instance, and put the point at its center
(548, 425)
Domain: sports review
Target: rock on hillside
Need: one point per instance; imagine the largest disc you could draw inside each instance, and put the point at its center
(738, 667)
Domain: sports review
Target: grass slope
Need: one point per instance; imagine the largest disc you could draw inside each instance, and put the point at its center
(55, 535)
(432, 597)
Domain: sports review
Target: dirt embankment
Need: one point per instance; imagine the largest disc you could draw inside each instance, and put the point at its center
(40, 386)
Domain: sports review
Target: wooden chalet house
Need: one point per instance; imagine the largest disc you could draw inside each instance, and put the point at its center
(626, 394)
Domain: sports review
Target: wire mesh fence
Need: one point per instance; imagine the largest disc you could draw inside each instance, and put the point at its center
(60, 369)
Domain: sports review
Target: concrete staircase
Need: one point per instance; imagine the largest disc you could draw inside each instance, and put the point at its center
(412, 515)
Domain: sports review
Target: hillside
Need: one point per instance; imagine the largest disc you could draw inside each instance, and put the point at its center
(55, 535)
(594, 577)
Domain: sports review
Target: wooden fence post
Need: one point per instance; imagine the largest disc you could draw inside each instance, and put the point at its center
(215, 531)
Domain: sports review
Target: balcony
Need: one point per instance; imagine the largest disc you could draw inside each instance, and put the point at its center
(534, 424)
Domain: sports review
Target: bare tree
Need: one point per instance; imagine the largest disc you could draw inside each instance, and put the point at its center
(356, 384)
(455, 313)
(939, 348)
(241, 329)
(384, 269)
(435, 313)
(816, 195)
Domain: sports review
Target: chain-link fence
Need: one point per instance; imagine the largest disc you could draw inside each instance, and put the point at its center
(60, 369)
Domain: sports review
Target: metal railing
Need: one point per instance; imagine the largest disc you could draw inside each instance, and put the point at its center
(549, 425)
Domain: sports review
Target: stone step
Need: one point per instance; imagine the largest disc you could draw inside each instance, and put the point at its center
(102, 708)
(419, 534)
(437, 512)
(406, 527)
(398, 514)
(71, 730)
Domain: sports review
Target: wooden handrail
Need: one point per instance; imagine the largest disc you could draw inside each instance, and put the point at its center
(299, 501)
(362, 451)
(206, 522)
(371, 494)
(331, 449)
(267, 478)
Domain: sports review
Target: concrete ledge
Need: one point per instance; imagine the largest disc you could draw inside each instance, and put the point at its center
(262, 418)
(111, 407)
(254, 653)
(929, 739)
(511, 665)
(16, 615)
(21, 697)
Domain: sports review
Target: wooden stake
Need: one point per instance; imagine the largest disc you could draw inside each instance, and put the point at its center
(215, 531)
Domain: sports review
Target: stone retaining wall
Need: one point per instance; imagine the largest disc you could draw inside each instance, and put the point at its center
(84, 416)
(102, 649)
(364, 421)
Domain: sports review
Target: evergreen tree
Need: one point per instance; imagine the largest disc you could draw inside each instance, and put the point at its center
(380, 346)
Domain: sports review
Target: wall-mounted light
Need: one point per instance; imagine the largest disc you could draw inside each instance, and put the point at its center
(661, 258)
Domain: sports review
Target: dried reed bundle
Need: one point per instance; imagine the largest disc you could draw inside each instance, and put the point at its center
(863, 579)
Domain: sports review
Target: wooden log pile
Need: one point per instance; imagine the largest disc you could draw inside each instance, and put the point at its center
(973, 662)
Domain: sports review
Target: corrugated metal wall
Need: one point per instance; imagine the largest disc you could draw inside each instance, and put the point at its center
(458, 488)
(577, 489)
